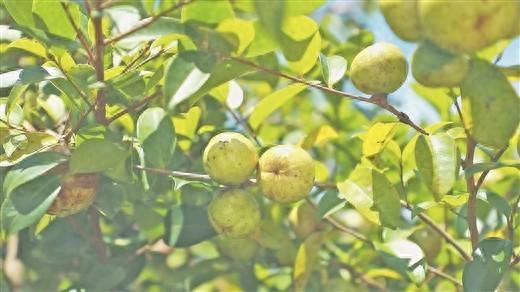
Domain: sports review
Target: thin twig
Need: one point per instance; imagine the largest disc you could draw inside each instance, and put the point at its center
(146, 22)
(78, 123)
(142, 52)
(441, 274)
(482, 177)
(380, 102)
(247, 127)
(441, 232)
(83, 96)
(13, 268)
(80, 34)
(133, 107)
(472, 200)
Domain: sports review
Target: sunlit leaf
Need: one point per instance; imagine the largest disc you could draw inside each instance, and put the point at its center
(377, 137)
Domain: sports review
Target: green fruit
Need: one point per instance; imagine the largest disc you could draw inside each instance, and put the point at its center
(379, 68)
(230, 158)
(402, 17)
(286, 255)
(238, 249)
(429, 241)
(459, 26)
(77, 193)
(490, 105)
(434, 67)
(303, 220)
(272, 235)
(234, 213)
(286, 173)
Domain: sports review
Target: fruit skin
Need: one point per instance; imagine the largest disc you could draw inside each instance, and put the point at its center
(429, 241)
(378, 69)
(403, 18)
(238, 249)
(490, 105)
(434, 67)
(78, 192)
(286, 173)
(303, 220)
(230, 158)
(459, 27)
(234, 213)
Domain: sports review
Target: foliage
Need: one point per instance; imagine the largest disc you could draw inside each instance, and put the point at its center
(132, 92)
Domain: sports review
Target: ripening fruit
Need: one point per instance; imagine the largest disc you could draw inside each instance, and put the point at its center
(435, 67)
(230, 158)
(77, 193)
(303, 220)
(238, 249)
(378, 69)
(459, 26)
(403, 18)
(234, 213)
(429, 241)
(286, 173)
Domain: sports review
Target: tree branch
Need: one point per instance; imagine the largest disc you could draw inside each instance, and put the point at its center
(472, 200)
(440, 231)
(375, 100)
(441, 274)
(97, 18)
(80, 34)
(133, 107)
(146, 22)
(482, 177)
(364, 279)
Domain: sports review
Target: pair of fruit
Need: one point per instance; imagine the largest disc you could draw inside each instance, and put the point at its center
(285, 174)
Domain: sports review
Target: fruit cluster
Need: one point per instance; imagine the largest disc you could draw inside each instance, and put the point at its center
(285, 174)
(448, 31)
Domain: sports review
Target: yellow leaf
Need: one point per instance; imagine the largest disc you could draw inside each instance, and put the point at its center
(322, 172)
(319, 137)
(377, 137)
(306, 260)
(186, 126)
(31, 46)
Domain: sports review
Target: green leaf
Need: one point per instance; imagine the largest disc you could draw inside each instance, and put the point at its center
(386, 200)
(103, 276)
(20, 11)
(306, 260)
(208, 12)
(333, 68)
(162, 27)
(437, 159)
(30, 45)
(301, 43)
(187, 225)
(357, 190)
(263, 42)
(329, 203)
(30, 144)
(487, 166)
(302, 7)
(29, 196)
(110, 198)
(97, 155)
(486, 96)
(156, 134)
(273, 102)
(13, 221)
(437, 97)
(490, 263)
(377, 137)
(31, 168)
(238, 32)
(50, 16)
(270, 17)
(186, 74)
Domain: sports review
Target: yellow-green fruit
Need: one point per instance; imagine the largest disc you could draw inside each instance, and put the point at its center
(230, 158)
(234, 213)
(429, 241)
(402, 17)
(286, 255)
(435, 67)
(286, 173)
(238, 249)
(490, 105)
(379, 68)
(461, 26)
(77, 193)
(303, 220)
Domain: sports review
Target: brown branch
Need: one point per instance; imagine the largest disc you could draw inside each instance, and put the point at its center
(376, 100)
(133, 107)
(146, 22)
(482, 177)
(13, 268)
(80, 34)
(440, 231)
(472, 200)
(441, 274)
(142, 53)
(78, 123)
(100, 71)
(87, 6)
(99, 243)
